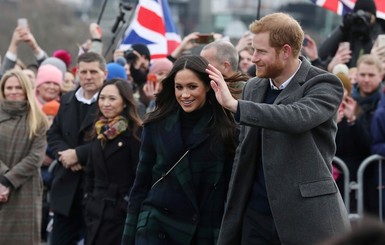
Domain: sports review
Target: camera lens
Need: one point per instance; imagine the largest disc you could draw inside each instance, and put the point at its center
(129, 55)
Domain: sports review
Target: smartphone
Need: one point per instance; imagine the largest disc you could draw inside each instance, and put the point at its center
(22, 22)
(152, 78)
(344, 45)
(204, 38)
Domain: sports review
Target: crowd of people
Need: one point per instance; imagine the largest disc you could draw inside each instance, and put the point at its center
(230, 144)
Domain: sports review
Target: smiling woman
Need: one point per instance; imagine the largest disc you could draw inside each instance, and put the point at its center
(13, 90)
(48, 83)
(181, 201)
(22, 147)
(111, 166)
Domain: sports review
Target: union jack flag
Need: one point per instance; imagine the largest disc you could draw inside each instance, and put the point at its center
(341, 7)
(153, 26)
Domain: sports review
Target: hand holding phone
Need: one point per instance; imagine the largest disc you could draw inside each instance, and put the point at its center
(344, 46)
(152, 78)
(204, 38)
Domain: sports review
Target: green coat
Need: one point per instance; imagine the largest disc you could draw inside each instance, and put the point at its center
(175, 210)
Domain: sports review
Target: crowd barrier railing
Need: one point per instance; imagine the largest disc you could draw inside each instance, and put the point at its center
(358, 186)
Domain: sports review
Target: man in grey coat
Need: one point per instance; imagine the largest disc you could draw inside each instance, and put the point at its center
(282, 190)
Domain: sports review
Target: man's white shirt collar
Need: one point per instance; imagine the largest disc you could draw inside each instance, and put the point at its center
(80, 97)
(284, 85)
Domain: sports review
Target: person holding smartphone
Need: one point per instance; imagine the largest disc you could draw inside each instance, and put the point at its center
(360, 28)
(159, 69)
(22, 33)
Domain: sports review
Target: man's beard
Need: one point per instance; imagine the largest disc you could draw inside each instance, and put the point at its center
(271, 71)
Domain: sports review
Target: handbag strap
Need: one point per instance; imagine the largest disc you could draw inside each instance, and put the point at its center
(169, 171)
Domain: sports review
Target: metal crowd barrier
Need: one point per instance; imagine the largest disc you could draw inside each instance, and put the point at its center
(359, 185)
(360, 182)
(345, 173)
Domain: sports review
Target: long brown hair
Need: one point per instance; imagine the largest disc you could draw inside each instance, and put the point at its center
(222, 125)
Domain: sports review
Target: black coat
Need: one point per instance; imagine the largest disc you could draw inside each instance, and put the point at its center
(68, 131)
(110, 174)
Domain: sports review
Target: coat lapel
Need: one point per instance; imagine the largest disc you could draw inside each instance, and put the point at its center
(258, 90)
(89, 119)
(120, 142)
(297, 81)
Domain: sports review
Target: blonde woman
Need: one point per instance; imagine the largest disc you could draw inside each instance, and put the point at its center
(22, 148)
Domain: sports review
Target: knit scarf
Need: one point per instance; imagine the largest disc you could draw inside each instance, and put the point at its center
(109, 128)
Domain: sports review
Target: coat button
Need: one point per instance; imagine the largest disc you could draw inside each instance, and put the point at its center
(165, 210)
(161, 235)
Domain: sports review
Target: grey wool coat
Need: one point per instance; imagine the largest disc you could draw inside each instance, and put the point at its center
(298, 145)
(20, 161)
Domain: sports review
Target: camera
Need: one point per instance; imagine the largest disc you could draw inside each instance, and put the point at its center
(129, 55)
(359, 22)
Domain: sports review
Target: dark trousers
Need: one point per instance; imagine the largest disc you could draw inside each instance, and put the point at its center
(68, 230)
(259, 228)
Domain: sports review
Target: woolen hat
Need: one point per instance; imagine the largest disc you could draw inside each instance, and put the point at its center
(142, 49)
(366, 5)
(116, 71)
(48, 73)
(64, 55)
(341, 68)
(51, 108)
(58, 63)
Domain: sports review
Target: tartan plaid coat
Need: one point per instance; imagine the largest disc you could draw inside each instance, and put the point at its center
(175, 211)
(20, 161)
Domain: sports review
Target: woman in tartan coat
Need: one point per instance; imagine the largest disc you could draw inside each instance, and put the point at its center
(185, 163)
(22, 149)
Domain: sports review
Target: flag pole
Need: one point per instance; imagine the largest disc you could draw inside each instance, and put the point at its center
(259, 10)
(102, 11)
(119, 28)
